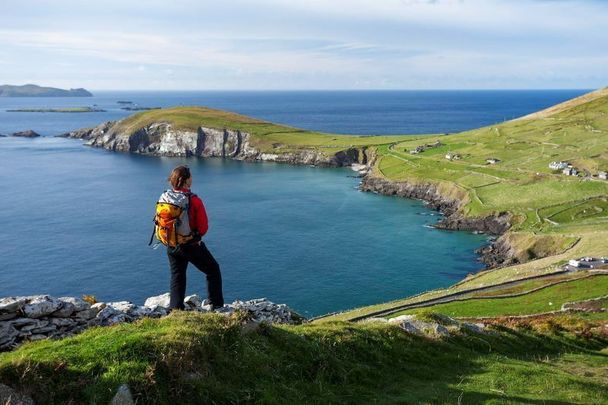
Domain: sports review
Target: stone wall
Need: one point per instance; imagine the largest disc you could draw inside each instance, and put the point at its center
(43, 316)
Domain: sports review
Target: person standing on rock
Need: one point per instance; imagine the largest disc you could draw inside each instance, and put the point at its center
(183, 239)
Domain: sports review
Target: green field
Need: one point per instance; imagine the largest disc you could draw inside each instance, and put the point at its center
(545, 300)
(198, 358)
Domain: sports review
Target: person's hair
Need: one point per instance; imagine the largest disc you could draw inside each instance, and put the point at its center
(178, 176)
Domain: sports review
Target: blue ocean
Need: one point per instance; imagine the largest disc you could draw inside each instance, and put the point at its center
(76, 220)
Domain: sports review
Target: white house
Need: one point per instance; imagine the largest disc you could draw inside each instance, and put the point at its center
(492, 161)
(574, 263)
(602, 175)
(558, 165)
(570, 171)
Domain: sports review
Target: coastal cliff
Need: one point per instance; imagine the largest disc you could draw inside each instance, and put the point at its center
(163, 139)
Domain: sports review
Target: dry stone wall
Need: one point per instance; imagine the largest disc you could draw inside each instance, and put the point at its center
(43, 316)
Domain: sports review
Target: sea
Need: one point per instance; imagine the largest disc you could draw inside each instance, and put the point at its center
(77, 220)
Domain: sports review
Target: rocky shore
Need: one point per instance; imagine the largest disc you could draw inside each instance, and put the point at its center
(496, 254)
(39, 317)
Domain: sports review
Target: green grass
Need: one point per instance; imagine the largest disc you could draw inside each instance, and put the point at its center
(196, 358)
(545, 300)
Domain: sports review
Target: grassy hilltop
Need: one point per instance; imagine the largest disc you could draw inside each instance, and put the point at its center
(547, 356)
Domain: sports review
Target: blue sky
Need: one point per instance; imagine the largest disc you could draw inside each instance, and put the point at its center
(305, 44)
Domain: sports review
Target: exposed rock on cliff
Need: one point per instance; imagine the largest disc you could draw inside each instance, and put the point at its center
(162, 139)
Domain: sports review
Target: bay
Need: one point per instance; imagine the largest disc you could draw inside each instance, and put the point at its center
(76, 220)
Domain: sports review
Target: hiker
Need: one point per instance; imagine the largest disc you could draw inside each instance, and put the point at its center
(180, 223)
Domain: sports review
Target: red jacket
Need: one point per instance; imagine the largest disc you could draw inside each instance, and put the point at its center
(197, 213)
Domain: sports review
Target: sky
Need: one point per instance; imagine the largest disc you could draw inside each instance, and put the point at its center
(305, 44)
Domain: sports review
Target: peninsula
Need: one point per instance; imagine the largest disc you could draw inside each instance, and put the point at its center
(32, 90)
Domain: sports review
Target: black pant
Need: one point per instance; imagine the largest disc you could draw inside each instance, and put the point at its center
(199, 256)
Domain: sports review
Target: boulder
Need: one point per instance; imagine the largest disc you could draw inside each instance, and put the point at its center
(41, 305)
(86, 314)
(158, 301)
(122, 306)
(66, 310)
(8, 334)
(12, 304)
(193, 302)
(78, 303)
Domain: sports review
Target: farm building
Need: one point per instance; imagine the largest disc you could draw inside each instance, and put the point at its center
(558, 165)
(492, 161)
(602, 175)
(452, 156)
(570, 171)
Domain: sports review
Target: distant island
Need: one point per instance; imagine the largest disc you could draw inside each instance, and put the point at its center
(32, 90)
(59, 110)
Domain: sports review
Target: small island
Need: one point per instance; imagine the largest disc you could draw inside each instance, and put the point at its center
(138, 108)
(59, 110)
(26, 134)
(33, 90)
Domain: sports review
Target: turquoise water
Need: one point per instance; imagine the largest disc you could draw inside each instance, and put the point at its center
(76, 220)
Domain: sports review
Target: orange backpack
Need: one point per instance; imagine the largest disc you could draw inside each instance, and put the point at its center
(171, 221)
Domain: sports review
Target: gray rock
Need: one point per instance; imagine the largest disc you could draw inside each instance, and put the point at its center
(98, 306)
(8, 333)
(41, 305)
(44, 329)
(66, 310)
(37, 325)
(6, 317)
(86, 314)
(122, 306)
(158, 301)
(141, 311)
(37, 337)
(9, 396)
(12, 304)
(193, 302)
(474, 327)
(19, 322)
(123, 396)
(61, 322)
(107, 313)
(78, 303)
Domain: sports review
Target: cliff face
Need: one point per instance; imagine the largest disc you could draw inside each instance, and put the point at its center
(161, 139)
(496, 254)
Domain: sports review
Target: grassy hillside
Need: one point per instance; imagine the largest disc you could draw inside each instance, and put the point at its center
(197, 358)
(267, 137)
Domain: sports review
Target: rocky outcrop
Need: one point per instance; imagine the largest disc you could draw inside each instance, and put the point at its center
(89, 133)
(497, 253)
(162, 139)
(26, 134)
(437, 327)
(42, 316)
